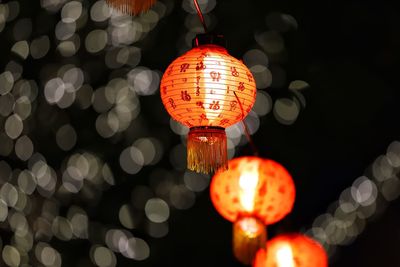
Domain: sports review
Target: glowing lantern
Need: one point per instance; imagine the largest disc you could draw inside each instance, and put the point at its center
(254, 192)
(292, 250)
(132, 7)
(207, 90)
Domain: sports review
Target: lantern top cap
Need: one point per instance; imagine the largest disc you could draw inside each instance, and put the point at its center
(207, 39)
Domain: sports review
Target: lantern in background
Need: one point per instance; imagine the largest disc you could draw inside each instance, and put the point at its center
(132, 7)
(254, 192)
(292, 250)
(207, 90)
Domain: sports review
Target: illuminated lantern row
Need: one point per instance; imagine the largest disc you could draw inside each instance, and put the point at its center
(254, 192)
(207, 90)
(292, 250)
(132, 7)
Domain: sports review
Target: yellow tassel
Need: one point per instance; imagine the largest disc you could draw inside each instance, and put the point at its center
(249, 235)
(131, 7)
(207, 149)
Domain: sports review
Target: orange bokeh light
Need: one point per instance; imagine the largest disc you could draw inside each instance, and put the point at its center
(255, 187)
(292, 250)
(198, 88)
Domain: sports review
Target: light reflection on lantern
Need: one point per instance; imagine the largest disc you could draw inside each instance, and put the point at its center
(292, 250)
(207, 90)
(248, 184)
(284, 256)
(254, 192)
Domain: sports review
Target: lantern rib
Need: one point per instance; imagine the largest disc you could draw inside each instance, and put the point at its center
(178, 93)
(199, 112)
(207, 79)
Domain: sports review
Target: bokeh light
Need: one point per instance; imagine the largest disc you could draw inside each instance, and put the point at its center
(76, 124)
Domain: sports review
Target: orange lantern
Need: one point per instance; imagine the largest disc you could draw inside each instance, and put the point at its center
(207, 90)
(254, 192)
(292, 250)
(132, 7)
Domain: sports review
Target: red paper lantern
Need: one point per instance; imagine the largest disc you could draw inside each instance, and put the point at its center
(292, 250)
(254, 192)
(132, 7)
(207, 90)
(253, 186)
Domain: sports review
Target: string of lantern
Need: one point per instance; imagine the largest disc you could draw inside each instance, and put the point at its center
(208, 90)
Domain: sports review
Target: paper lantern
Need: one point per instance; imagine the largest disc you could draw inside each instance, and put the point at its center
(132, 7)
(254, 192)
(207, 90)
(292, 250)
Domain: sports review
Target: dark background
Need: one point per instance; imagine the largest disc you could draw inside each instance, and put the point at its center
(348, 51)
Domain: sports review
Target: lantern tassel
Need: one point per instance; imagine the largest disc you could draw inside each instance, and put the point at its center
(249, 236)
(131, 7)
(207, 149)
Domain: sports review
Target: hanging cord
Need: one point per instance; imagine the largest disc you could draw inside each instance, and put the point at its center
(246, 129)
(200, 14)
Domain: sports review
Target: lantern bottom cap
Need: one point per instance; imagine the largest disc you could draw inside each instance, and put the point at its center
(249, 236)
(207, 149)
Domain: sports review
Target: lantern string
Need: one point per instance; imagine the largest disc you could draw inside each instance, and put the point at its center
(200, 14)
(246, 128)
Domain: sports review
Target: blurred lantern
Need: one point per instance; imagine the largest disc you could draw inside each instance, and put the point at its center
(292, 250)
(254, 192)
(132, 7)
(208, 90)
